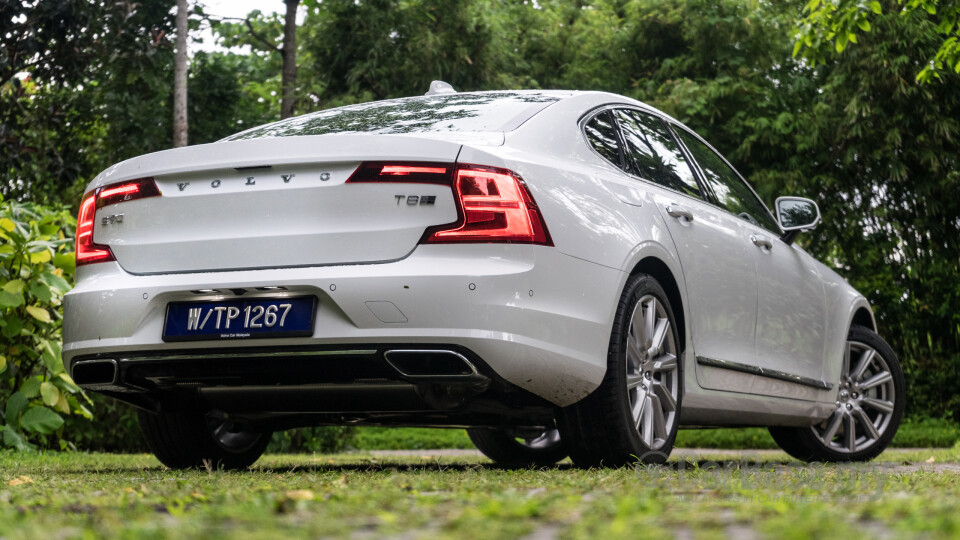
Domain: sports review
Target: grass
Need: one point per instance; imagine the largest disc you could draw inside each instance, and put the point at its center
(77, 495)
(913, 433)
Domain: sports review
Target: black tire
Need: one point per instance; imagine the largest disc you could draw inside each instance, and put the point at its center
(509, 449)
(601, 430)
(805, 443)
(186, 440)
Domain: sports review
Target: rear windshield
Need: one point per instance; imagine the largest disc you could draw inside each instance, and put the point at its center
(478, 112)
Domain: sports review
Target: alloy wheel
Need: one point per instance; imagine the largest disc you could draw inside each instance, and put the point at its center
(865, 403)
(652, 372)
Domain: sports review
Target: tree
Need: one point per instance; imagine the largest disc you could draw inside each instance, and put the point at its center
(262, 33)
(885, 148)
(53, 40)
(46, 50)
(831, 26)
(358, 51)
(288, 81)
(180, 125)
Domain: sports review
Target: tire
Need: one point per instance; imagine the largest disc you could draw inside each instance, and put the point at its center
(515, 449)
(633, 417)
(186, 440)
(868, 359)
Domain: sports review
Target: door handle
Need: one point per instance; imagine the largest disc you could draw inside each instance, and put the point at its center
(679, 212)
(761, 241)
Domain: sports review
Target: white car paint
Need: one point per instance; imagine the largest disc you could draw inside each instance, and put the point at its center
(539, 316)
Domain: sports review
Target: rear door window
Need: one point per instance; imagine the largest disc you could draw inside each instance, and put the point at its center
(655, 153)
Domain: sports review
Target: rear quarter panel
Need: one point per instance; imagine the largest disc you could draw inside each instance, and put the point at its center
(593, 211)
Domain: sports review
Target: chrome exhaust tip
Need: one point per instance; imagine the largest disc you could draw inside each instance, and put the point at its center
(431, 364)
(96, 374)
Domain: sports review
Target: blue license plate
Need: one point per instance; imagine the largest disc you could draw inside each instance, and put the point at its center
(240, 319)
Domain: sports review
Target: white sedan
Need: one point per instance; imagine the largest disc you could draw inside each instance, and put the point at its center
(562, 273)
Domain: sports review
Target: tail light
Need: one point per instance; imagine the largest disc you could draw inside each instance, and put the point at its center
(407, 173)
(494, 206)
(88, 252)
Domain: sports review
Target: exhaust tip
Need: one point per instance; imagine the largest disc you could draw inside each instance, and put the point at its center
(95, 373)
(430, 364)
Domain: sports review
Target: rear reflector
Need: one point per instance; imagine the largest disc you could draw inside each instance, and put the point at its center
(408, 173)
(495, 206)
(88, 252)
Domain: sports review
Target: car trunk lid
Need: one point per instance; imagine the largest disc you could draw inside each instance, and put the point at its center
(270, 203)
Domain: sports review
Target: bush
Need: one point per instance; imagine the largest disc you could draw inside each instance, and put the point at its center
(114, 428)
(36, 269)
(384, 438)
(923, 432)
(324, 439)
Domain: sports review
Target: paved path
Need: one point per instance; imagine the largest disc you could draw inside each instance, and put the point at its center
(700, 454)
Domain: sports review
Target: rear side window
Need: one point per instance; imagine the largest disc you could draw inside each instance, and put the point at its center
(602, 136)
(733, 194)
(655, 153)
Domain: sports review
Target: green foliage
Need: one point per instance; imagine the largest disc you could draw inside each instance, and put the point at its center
(79, 90)
(49, 39)
(881, 155)
(831, 26)
(109, 98)
(36, 267)
(384, 438)
(323, 439)
(924, 432)
(222, 100)
(114, 429)
(358, 51)
(917, 432)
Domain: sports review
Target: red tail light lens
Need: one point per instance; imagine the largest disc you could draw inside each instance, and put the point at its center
(406, 172)
(127, 191)
(88, 252)
(495, 206)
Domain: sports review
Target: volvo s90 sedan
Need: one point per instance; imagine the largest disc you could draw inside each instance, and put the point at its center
(561, 273)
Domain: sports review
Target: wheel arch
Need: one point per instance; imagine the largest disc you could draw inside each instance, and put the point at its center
(852, 309)
(862, 316)
(657, 268)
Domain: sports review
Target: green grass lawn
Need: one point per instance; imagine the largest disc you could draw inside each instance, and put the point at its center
(913, 433)
(78, 495)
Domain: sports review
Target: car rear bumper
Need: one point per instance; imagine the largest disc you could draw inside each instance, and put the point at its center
(538, 319)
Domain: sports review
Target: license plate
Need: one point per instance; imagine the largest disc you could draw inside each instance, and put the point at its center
(240, 319)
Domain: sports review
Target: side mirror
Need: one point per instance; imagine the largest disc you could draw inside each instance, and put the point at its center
(796, 214)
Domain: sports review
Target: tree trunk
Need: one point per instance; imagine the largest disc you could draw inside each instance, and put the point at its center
(288, 81)
(180, 78)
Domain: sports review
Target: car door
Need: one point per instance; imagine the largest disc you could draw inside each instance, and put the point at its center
(789, 340)
(718, 271)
